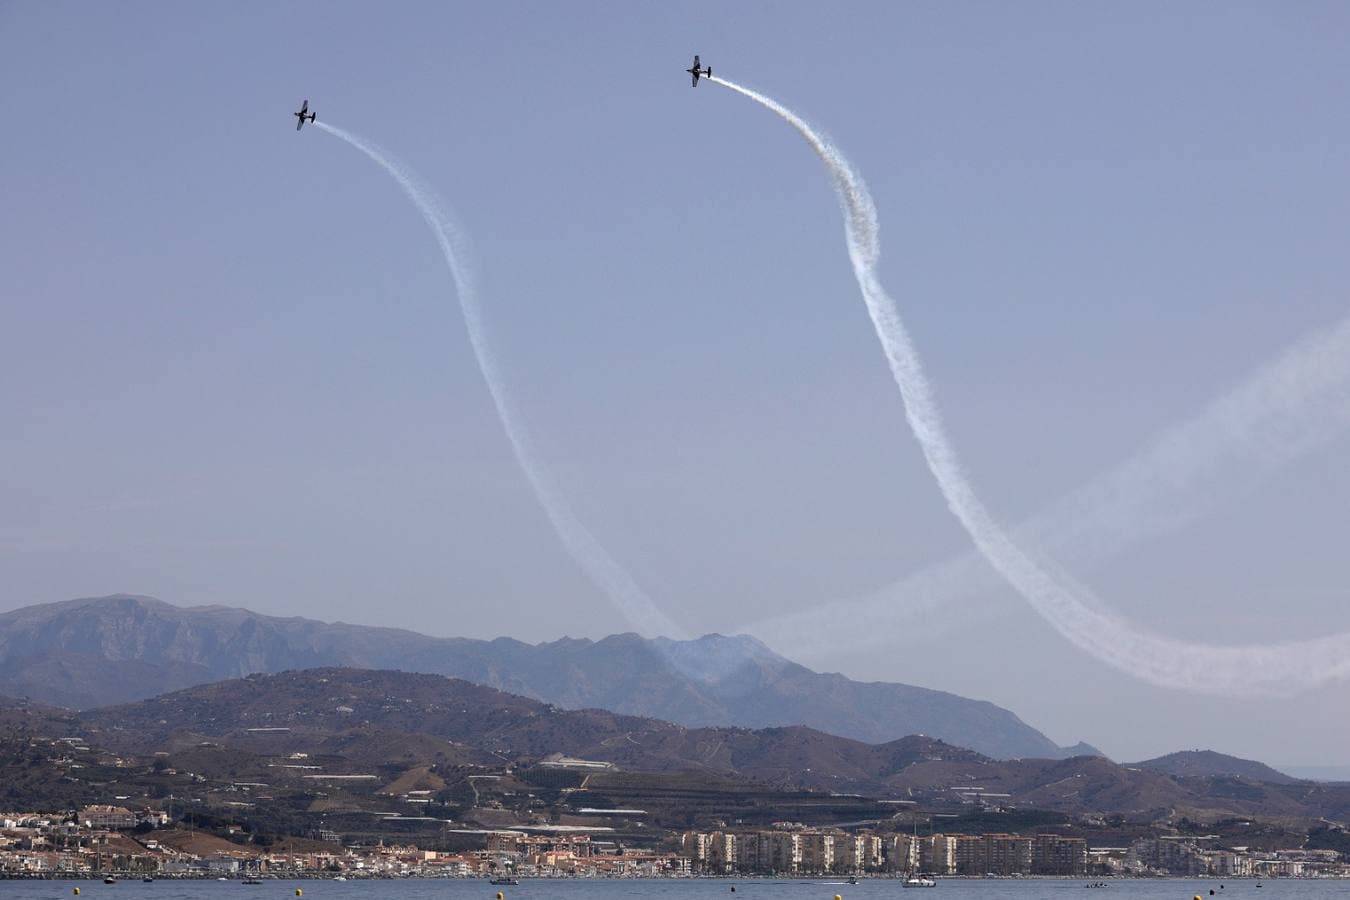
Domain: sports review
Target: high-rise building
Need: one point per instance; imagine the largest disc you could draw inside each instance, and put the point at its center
(902, 853)
(721, 853)
(694, 846)
(784, 852)
(968, 856)
(937, 854)
(817, 852)
(1053, 854)
(1006, 854)
(857, 853)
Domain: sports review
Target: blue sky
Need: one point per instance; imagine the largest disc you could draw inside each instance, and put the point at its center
(235, 370)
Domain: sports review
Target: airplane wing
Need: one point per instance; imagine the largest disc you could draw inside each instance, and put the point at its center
(695, 81)
(299, 123)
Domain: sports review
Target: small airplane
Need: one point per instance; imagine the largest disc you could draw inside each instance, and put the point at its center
(303, 114)
(696, 71)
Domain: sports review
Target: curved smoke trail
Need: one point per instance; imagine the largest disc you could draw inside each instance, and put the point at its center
(1291, 406)
(1270, 669)
(583, 546)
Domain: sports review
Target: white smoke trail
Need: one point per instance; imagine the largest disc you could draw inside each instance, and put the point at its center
(583, 546)
(1295, 404)
(1269, 669)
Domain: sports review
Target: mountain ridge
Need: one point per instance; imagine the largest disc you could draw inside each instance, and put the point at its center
(99, 651)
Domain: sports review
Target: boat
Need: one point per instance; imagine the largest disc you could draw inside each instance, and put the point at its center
(110, 880)
(914, 879)
(148, 880)
(252, 881)
(505, 880)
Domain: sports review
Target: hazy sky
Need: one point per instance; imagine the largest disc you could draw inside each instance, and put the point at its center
(235, 370)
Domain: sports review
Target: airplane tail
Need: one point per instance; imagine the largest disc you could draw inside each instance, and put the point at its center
(709, 72)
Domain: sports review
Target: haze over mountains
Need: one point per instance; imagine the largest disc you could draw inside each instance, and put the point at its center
(373, 722)
(96, 652)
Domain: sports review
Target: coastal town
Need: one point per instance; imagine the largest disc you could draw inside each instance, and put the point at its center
(268, 777)
(801, 851)
(109, 841)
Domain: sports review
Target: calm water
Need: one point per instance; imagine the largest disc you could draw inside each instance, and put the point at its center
(681, 889)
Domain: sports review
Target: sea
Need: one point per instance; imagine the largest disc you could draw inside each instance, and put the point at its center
(687, 889)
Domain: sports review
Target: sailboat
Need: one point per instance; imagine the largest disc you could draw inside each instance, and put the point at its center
(915, 880)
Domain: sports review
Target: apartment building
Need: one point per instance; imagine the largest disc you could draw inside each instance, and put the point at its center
(1053, 854)
(902, 853)
(817, 852)
(937, 854)
(721, 853)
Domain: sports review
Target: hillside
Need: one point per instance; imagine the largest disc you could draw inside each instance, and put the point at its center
(385, 718)
(372, 716)
(89, 653)
(394, 756)
(1208, 763)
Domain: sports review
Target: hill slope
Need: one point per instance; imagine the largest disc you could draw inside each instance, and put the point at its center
(363, 713)
(412, 721)
(1208, 763)
(88, 653)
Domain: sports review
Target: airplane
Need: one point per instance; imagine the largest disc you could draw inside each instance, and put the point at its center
(696, 71)
(303, 114)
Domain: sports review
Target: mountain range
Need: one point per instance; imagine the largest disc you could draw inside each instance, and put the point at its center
(355, 721)
(100, 651)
